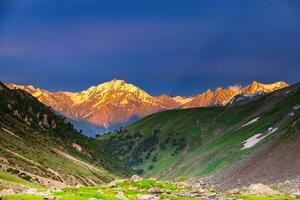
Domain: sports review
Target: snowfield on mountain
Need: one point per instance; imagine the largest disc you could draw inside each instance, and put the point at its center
(116, 103)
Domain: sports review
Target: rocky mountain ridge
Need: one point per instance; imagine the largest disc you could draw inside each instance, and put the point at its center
(118, 102)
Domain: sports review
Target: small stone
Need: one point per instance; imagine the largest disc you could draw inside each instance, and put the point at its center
(147, 197)
(182, 185)
(234, 191)
(132, 188)
(155, 191)
(136, 178)
(51, 198)
(114, 183)
(121, 195)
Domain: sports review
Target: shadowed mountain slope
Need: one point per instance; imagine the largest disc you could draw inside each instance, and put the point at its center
(40, 146)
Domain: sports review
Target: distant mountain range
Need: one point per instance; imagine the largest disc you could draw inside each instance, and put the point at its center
(116, 103)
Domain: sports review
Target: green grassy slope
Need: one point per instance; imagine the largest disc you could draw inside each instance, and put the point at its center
(199, 141)
(48, 149)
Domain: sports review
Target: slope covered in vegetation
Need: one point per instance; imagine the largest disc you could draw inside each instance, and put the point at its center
(39, 146)
(200, 141)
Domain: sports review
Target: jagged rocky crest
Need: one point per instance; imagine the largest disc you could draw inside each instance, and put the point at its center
(117, 102)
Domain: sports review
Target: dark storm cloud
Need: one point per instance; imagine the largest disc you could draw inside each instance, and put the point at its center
(177, 47)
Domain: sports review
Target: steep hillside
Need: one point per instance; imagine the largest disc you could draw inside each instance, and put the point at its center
(114, 104)
(273, 164)
(38, 146)
(200, 141)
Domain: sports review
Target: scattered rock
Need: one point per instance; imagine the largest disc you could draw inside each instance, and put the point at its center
(296, 194)
(186, 194)
(31, 191)
(261, 189)
(51, 198)
(26, 120)
(114, 183)
(54, 189)
(136, 178)
(147, 197)
(4, 160)
(53, 124)
(209, 196)
(132, 188)
(182, 185)
(45, 120)
(200, 188)
(16, 113)
(121, 195)
(6, 192)
(155, 191)
(77, 147)
(234, 191)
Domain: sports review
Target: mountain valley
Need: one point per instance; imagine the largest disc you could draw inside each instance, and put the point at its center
(181, 153)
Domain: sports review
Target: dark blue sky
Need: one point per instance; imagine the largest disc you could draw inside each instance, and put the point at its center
(163, 46)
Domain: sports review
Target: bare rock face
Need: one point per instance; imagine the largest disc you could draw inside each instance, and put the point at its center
(45, 120)
(53, 124)
(261, 189)
(77, 147)
(27, 120)
(16, 113)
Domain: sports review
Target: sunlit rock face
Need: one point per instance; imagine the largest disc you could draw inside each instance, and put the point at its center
(118, 102)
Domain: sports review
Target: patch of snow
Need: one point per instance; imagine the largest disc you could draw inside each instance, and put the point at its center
(31, 87)
(251, 121)
(182, 100)
(70, 94)
(250, 142)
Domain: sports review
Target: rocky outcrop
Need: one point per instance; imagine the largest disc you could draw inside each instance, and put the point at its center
(261, 189)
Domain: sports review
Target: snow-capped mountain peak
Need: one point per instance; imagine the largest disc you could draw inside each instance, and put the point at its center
(117, 102)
